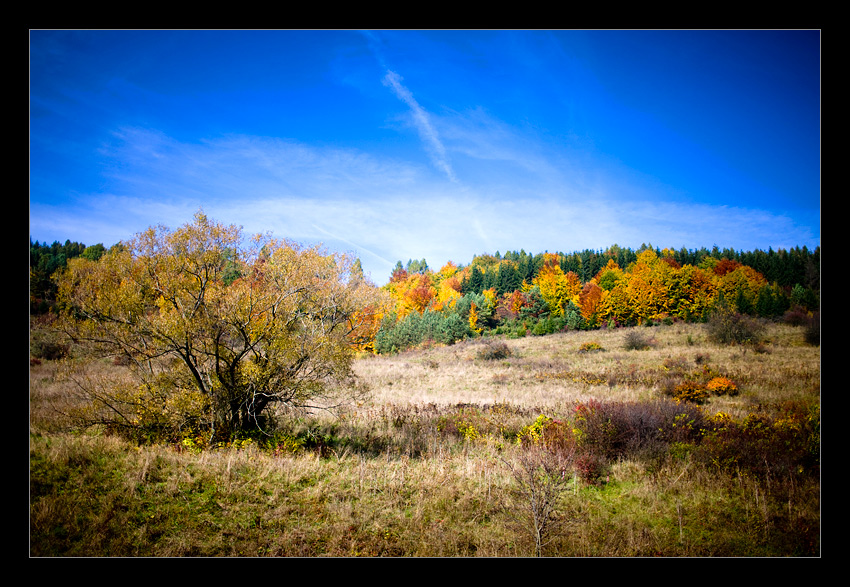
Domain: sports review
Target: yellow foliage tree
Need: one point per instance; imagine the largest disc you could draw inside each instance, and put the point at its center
(636, 295)
(447, 286)
(411, 293)
(691, 291)
(741, 285)
(473, 319)
(208, 351)
(556, 287)
(491, 299)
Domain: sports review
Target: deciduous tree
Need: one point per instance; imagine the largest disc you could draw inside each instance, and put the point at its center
(556, 287)
(209, 354)
(590, 299)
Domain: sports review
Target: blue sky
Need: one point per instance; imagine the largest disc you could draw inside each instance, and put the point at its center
(398, 145)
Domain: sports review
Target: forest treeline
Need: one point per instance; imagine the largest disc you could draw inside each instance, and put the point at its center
(517, 293)
(45, 260)
(787, 268)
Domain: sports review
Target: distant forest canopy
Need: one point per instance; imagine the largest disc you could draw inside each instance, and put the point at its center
(518, 293)
(45, 260)
(786, 268)
(544, 292)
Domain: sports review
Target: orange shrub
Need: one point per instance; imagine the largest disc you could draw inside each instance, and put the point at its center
(722, 386)
(690, 391)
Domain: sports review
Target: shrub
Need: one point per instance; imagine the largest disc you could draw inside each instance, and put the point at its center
(516, 330)
(48, 350)
(786, 445)
(554, 435)
(616, 429)
(676, 364)
(494, 350)
(636, 341)
(589, 468)
(812, 332)
(588, 347)
(471, 422)
(722, 386)
(540, 329)
(533, 433)
(796, 316)
(725, 326)
(540, 478)
(690, 391)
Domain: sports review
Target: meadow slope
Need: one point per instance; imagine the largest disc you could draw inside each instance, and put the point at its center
(444, 460)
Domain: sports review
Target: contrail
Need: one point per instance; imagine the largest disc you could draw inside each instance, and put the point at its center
(355, 245)
(423, 124)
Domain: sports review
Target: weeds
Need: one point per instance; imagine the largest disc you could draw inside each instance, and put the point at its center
(541, 477)
(496, 461)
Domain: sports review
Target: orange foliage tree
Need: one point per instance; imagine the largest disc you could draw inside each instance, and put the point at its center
(419, 293)
(590, 299)
(510, 304)
(364, 325)
(410, 292)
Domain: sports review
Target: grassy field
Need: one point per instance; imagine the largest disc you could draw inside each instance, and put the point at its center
(564, 445)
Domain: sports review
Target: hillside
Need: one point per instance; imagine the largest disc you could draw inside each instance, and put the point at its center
(446, 459)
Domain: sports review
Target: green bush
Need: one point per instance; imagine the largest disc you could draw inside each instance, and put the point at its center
(549, 325)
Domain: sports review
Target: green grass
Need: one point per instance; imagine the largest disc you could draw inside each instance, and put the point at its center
(421, 470)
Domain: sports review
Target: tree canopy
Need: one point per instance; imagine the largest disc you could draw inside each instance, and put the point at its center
(216, 332)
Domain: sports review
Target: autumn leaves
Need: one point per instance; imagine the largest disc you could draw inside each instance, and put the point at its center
(654, 287)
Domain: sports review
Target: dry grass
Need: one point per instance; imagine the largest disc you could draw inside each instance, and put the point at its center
(551, 373)
(424, 468)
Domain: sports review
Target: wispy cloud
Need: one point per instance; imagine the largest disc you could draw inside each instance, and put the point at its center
(422, 121)
(542, 141)
(385, 209)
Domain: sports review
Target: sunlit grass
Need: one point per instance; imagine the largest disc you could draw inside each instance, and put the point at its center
(422, 468)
